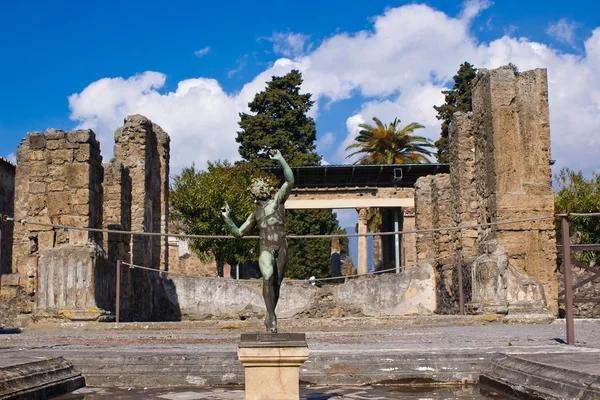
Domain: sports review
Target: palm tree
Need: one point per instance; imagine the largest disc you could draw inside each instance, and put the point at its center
(390, 144)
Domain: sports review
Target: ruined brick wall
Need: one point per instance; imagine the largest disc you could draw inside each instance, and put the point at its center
(424, 219)
(58, 181)
(433, 209)
(143, 147)
(462, 181)
(7, 207)
(512, 164)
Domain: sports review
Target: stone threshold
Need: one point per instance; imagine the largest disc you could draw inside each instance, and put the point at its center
(546, 376)
(37, 378)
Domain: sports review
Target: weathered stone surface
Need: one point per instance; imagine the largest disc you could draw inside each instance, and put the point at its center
(407, 293)
(53, 186)
(512, 164)
(73, 282)
(32, 378)
(546, 376)
(499, 287)
(143, 147)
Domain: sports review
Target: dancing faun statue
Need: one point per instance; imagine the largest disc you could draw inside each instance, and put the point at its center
(270, 218)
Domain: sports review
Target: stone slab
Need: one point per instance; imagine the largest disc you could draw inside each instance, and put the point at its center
(28, 377)
(546, 376)
(253, 340)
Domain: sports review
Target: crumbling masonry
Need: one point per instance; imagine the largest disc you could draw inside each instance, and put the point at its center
(60, 180)
(499, 170)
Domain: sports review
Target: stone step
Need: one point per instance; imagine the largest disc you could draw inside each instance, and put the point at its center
(546, 376)
(321, 368)
(29, 378)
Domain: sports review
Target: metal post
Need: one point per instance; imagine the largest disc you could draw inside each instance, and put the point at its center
(237, 272)
(568, 280)
(397, 240)
(118, 292)
(461, 297)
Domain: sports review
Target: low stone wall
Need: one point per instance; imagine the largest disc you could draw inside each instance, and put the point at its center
(408, 293)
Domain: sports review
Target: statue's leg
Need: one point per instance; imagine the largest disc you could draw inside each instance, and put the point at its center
(265, 263)
(281, 261)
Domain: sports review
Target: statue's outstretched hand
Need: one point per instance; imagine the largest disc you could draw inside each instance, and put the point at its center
(275, 155)
(226, 210)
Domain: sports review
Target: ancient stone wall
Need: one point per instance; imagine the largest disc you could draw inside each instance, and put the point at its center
(462, 180)
(512, 164)
(7, 207)
(500, 170)
(58, 181)
(143, 147)
(424, 219)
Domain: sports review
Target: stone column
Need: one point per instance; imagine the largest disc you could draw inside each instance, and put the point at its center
(462, 179)
(409, 242)
(512, 166)
(59, 181)
(363, 243)
(424, 219)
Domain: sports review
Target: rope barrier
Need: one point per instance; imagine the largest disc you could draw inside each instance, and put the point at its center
(333, 235)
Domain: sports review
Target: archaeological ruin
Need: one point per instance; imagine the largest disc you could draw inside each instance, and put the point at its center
(499, 171)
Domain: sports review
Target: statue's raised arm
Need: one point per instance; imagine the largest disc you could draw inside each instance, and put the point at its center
(286, 188)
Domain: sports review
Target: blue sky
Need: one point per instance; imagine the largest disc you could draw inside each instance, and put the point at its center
(192, 67)
(52, 50)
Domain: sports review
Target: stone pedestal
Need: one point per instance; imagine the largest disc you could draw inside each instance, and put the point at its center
(271, 364)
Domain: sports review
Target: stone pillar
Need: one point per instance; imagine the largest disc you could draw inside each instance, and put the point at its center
(462, 180)
(363, 243)
(512, 164)
(443, 218)
(163, 147)
(117, 216)
(144, 148)
(424, 219)
(59, 181)
(409, 242)
(271, 363)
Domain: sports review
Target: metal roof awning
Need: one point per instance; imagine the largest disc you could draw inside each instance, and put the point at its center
(388, 175)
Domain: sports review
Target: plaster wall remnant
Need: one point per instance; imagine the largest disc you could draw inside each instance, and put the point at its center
(58, 181)
(512, 164)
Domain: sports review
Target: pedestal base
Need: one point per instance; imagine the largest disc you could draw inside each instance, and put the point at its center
(271, 364)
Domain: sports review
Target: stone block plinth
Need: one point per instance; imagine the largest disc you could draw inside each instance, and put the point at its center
(271, 363)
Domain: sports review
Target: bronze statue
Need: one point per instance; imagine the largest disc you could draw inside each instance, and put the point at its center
(270, 218)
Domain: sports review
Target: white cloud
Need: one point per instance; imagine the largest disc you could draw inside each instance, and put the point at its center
(472, 8)
(396, 69)
(202, 52)
(563, 31)
(290, 44)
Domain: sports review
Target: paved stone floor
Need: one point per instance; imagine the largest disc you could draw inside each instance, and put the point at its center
(307, 393)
